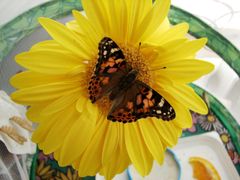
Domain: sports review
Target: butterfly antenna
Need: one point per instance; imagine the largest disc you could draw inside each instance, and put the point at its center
(157, 68)
(138, 52)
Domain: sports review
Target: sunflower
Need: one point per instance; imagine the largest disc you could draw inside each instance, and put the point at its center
(55, 85)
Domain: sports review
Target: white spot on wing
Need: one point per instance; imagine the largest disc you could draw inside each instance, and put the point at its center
(114, 50)
(159, 112)
(161, 102)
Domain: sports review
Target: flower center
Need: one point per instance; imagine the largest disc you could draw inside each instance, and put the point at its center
(136, 60)
(211, 118)
(225, 138)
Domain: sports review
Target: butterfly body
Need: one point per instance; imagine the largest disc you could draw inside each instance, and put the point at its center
(131, 98)
(124, 84)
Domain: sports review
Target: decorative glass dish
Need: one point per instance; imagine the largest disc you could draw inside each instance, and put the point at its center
(22, 32)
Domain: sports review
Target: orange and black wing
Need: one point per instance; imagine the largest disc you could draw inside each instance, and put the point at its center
(140, 101)
(109, 70)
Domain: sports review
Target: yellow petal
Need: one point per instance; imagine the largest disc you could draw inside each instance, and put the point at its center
(81, 104)
(62, 102)
(120, 157)
(33, 113)
(78, 136)
(137, 150)
(176, 32)
(165, 131)
(73, 26)
(153, 19)
(119, 12)
(62, 125)
(49, 45)
(130, 14)
(123, 158)
(183, 71)
(152, 139)
(178, 130)
(181, 51)
(111, 142)
(66, 38)
(87, 28)
(93, 152)
(97, 14)
(43, 93)
(48, 62)
(41, 132)
(29, 79)
(163, 51)
(76, 163)
(171, 46)
(79, 71)
(43, 128)
(56, 154)
(183, 118)
(159, 78)
(188, 98)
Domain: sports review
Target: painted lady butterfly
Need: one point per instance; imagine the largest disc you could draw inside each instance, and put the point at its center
(131, 98)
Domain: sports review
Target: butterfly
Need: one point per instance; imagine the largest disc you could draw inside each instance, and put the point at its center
(131, 98)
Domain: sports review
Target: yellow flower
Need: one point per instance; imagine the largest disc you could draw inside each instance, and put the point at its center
(55, 86)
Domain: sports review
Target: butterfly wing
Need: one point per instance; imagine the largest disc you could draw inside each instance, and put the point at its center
(110, 68)
(140, 101)
(110, 59)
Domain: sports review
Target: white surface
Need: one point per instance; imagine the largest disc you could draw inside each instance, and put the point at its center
(122, 176)
(208, 146)
(9, 9)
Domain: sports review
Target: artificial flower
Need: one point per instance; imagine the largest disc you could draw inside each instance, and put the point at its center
(55, 85)
(209, 122)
